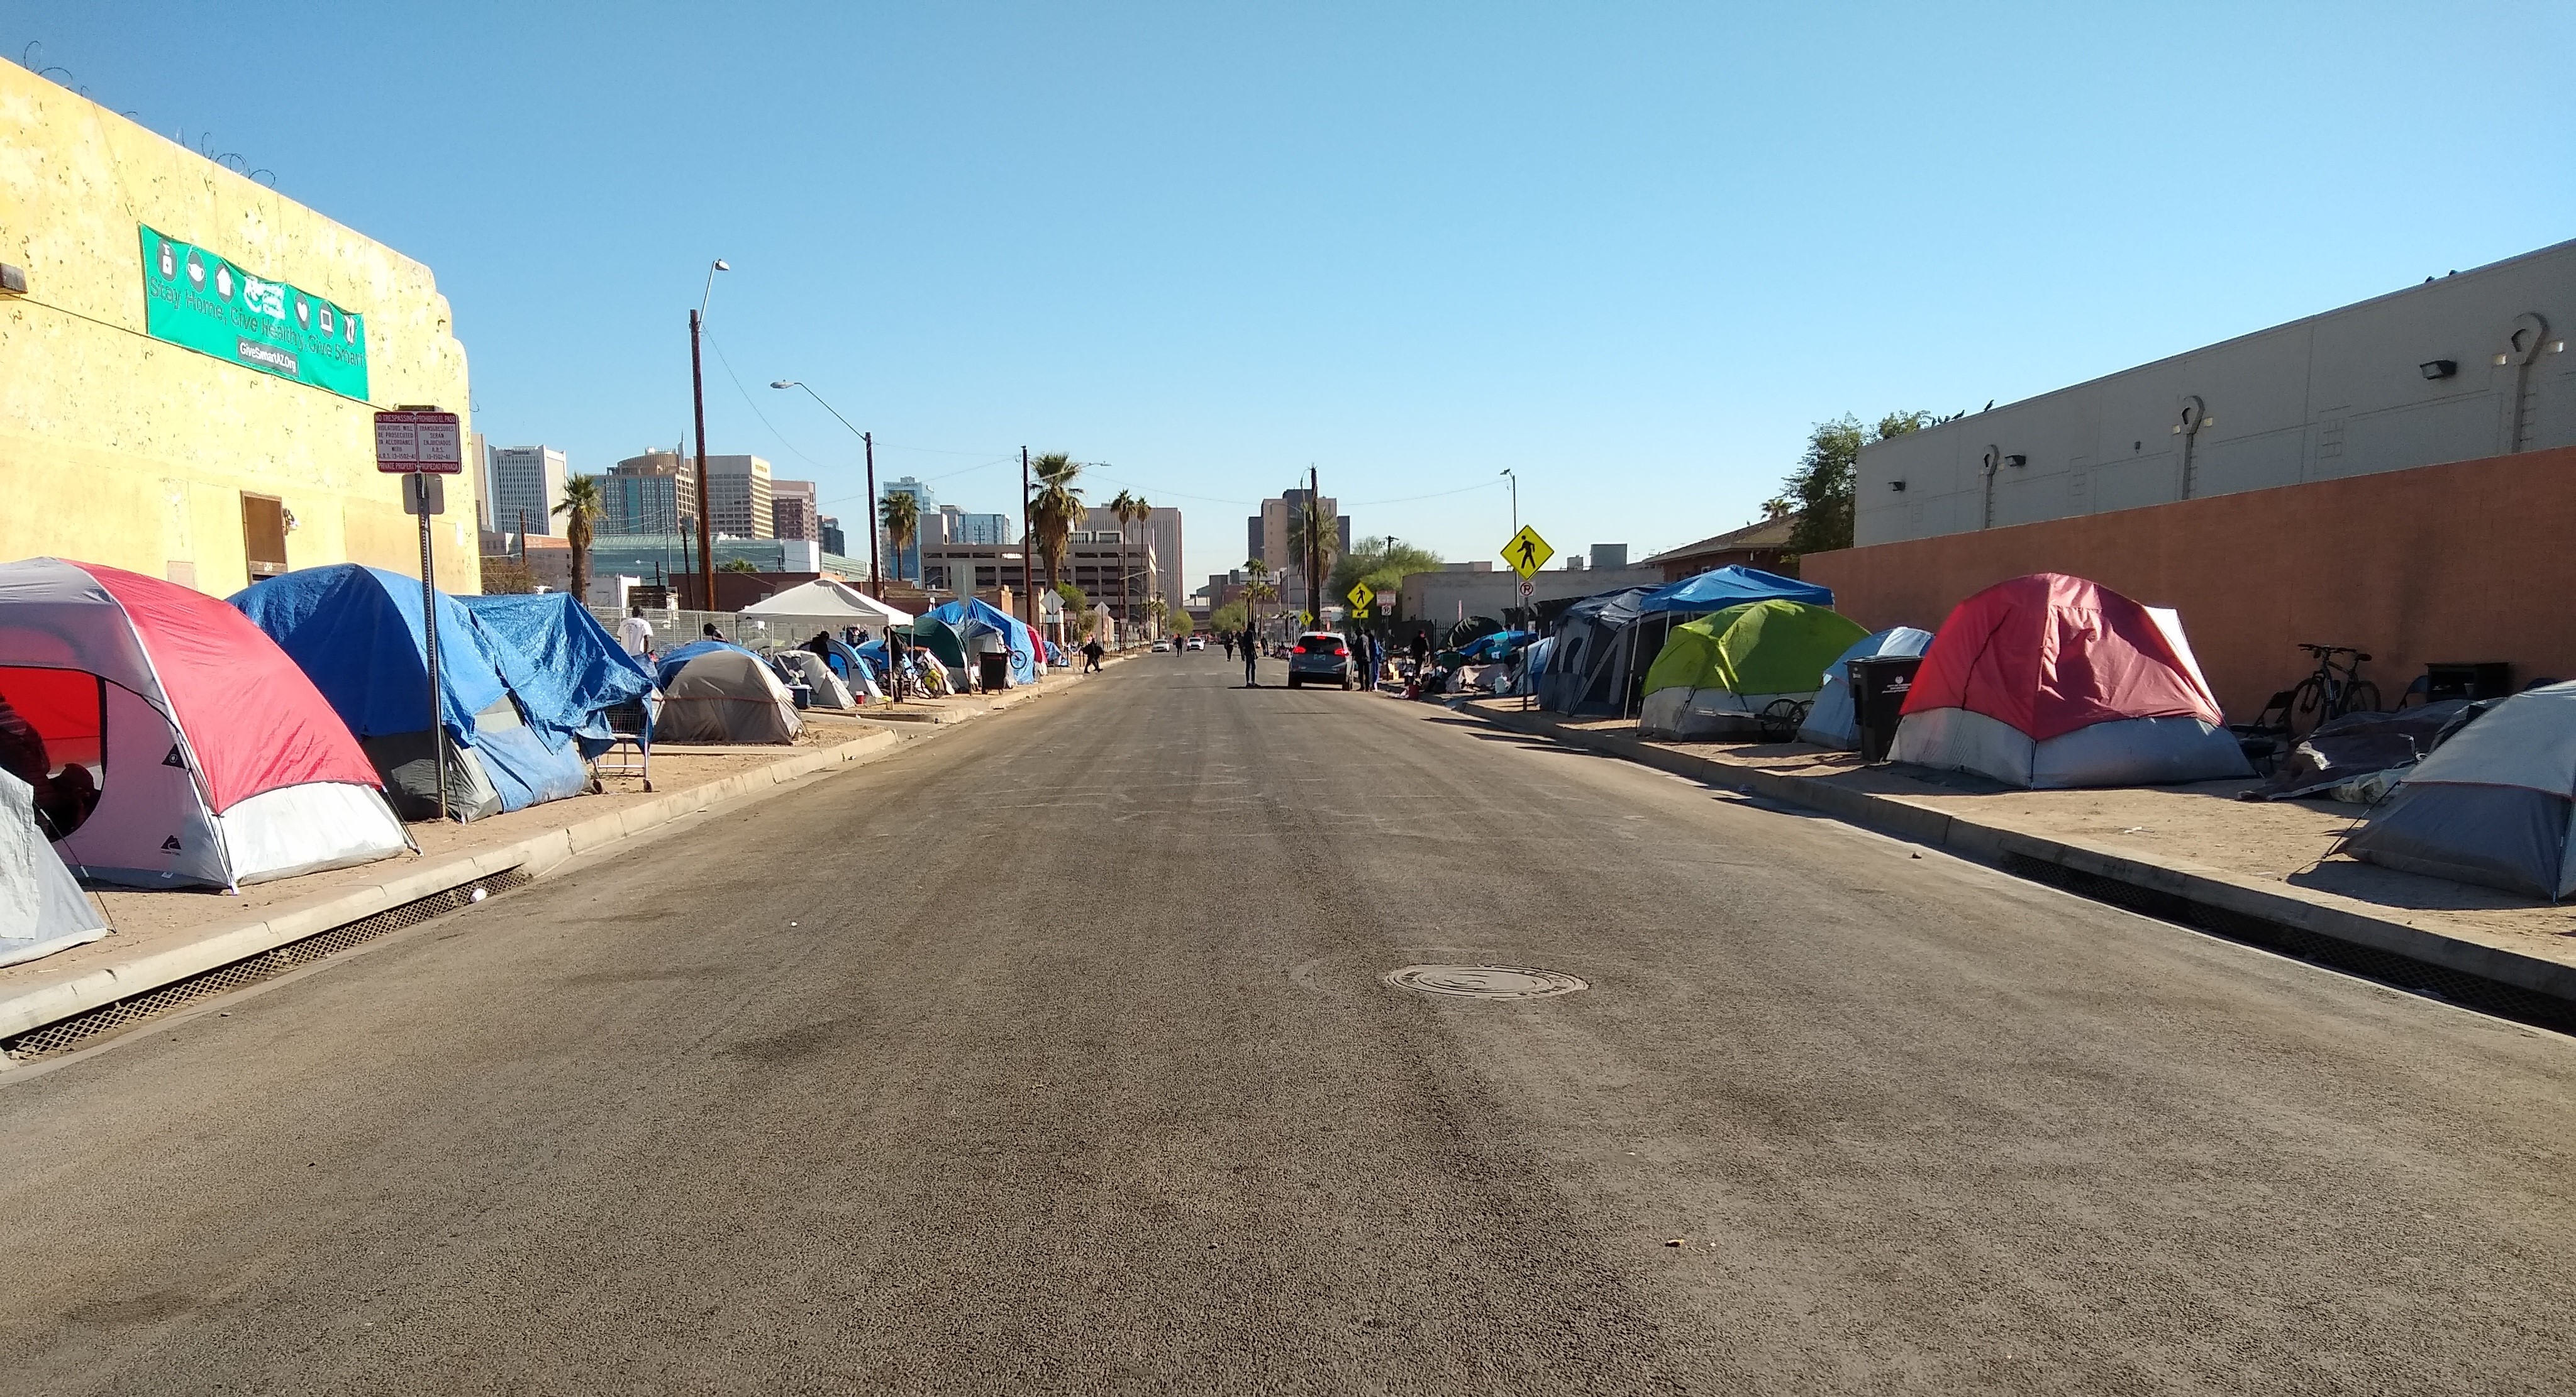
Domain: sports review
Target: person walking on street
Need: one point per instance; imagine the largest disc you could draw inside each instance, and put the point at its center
(635, 633)
(1091, 655)
(1227, 640)
(1251, 655)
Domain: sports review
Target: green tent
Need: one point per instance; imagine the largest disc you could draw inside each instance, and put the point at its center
(939, 640)
(1717, 673)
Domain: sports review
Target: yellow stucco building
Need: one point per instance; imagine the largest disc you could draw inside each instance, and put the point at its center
(123, 448)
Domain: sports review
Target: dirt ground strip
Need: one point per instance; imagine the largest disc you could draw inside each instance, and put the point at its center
(2200, 827)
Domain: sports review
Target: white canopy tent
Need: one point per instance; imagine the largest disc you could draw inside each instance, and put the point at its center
(824, 597)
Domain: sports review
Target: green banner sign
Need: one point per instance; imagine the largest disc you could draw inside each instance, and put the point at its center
(199, 301)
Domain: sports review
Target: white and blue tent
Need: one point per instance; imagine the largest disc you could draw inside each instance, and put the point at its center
(1833, 720)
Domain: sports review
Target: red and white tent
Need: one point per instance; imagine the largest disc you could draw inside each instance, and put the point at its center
(2052, 681)
(169, 741)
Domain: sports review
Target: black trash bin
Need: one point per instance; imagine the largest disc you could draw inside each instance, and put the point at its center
(993, 671)
(1879, 685)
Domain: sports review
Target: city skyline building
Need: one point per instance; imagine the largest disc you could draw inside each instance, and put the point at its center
(523, 483)
(652, 493)
(905, 562)
(738, 496)
(792, 510)
(1270, 537)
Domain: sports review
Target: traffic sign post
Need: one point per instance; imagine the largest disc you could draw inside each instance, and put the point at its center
(422, 444)
(1527, 552)
(1528, 589)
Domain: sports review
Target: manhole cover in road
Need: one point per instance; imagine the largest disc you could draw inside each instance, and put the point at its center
(1484, 981)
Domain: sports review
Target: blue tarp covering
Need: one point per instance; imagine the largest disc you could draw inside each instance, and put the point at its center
(356, 633)
(561, 664)
(1495, 648)
(1732, 585)
(965, 616)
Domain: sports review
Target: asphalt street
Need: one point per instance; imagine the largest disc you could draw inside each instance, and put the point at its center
(1053, 1055)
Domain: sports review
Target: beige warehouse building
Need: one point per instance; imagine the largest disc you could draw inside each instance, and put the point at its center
(188, 381)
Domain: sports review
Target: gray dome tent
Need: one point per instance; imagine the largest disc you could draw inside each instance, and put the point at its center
(2492, 805)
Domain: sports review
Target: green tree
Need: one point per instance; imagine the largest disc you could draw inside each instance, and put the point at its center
(1055, 503)
(1820, 489)
(582, 506)
(737, 565)
(1228, 619)
(900, 513)
(1181, 622)
(1383, 563)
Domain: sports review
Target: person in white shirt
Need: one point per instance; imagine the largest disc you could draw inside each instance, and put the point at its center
(635, 633)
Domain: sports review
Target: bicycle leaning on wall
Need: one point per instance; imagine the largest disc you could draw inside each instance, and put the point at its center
(2336, 688)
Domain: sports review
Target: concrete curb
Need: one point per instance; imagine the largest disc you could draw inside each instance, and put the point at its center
(2227, 896)
(44, 1003)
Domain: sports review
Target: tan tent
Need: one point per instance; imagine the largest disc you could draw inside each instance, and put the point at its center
(713, 692)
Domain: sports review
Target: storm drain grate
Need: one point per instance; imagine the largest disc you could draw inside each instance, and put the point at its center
(2456, 987)
(1484, 981)
(80, 1029)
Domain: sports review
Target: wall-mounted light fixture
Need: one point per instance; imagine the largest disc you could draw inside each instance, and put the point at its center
(1896, 485)
(2439, 368)
(13, 280)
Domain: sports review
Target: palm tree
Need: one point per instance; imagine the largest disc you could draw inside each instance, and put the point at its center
(900, 512)
(581, 504)
(1311, 524)
(1130, 508)
(1054, 506)
(1257, 590)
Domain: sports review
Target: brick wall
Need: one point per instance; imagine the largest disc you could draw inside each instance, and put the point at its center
(2473, 560)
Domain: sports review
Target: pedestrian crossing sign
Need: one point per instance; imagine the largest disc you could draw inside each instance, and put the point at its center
(1361, 595)
(1305, 618)
(1527, 552)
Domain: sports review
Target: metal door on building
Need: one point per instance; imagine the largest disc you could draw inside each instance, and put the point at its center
(264, 535)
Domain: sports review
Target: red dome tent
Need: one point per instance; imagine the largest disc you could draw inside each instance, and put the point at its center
(169, 741)
(2052, 681)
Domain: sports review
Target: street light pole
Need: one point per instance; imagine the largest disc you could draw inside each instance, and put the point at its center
(698, 403)
(1516, 521)
(867, 440)
(1028, 545)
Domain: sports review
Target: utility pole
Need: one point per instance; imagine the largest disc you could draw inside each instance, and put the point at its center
(706, 499)
(1028, 545)
(869, 440)
(698, 402)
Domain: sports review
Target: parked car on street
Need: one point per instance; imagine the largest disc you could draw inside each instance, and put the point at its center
(1319, 657)
(1162, 647)
(1196, 642)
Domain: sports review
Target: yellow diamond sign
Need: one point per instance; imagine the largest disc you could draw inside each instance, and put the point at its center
(1361, 595)
(1527, 552)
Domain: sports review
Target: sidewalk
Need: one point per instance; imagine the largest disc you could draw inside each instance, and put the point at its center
(161, 939)
(2230, 863)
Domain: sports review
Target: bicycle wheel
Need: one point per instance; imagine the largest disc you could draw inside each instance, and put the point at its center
(2359, 696)
(2307, 705)
(1779, 721)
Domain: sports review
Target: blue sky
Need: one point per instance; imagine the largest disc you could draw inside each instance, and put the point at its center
(1629, 251)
